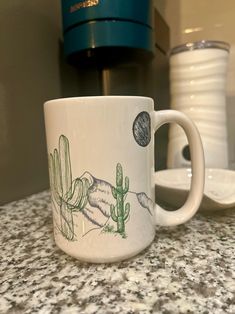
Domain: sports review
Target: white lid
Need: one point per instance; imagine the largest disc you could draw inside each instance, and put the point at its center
(203, 44)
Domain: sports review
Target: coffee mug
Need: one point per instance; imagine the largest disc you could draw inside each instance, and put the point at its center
(101, 166)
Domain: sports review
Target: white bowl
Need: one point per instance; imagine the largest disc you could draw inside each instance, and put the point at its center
(172, 188)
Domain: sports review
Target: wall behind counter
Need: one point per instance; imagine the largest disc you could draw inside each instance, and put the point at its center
(31, 63)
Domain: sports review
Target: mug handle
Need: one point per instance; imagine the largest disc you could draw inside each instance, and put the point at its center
(184, 213)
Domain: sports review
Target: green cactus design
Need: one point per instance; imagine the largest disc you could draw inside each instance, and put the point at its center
(120, 213)
(69, 195)
(89, 196)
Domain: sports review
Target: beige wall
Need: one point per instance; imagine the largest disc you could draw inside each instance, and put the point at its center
(192, 20)
(31, 67)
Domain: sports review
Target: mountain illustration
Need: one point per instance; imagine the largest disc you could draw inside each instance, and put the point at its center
(100, 199)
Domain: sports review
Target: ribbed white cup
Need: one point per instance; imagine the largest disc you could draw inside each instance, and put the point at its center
(197, 84)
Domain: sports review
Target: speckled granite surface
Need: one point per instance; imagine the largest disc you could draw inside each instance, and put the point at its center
(187, 269)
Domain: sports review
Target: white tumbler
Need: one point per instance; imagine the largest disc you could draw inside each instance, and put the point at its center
(197, 83)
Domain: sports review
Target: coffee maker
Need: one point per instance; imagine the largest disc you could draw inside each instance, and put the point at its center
(119, 47)
(110, 47)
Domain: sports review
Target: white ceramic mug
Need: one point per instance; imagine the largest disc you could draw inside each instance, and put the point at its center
(101, 165)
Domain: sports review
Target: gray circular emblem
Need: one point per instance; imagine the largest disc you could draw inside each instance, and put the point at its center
(142, 128)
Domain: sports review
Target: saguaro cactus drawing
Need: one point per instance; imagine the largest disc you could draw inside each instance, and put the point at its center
(69, 195)
(93, 198)
(120, 213)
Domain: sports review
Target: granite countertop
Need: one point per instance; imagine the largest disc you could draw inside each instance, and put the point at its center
(187, 269)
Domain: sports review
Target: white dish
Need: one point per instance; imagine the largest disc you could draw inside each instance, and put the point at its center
(172, 188)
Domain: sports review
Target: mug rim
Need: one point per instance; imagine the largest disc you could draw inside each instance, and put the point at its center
(66, 99)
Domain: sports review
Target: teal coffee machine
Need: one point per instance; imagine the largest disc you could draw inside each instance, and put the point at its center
(118, 47)
(109, 47)
(102, 32)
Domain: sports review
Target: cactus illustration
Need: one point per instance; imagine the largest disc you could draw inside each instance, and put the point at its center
(120, 213)
(69, 195)
(91, 197)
